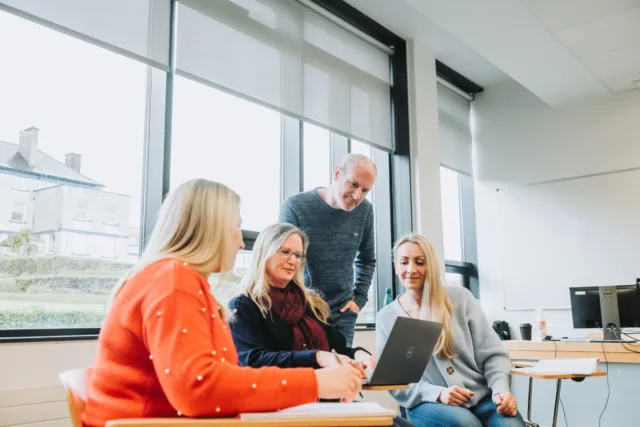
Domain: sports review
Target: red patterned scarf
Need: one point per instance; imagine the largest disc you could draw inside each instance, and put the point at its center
(290, 305)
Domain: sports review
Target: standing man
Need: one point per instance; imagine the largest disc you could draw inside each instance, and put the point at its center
(339, 222)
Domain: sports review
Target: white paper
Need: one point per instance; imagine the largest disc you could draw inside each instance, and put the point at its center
(564, 366)
(324, 410)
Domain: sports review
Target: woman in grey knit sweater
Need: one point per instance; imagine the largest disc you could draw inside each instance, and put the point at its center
(466, 382)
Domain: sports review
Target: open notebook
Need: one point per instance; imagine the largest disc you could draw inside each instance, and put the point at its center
(324, 410)
(563, 366)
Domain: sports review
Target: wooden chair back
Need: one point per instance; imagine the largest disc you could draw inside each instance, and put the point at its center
(76, 387)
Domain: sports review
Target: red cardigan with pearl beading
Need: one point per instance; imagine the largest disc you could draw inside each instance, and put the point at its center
(165, 350)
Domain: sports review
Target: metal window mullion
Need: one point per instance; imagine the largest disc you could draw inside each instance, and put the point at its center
(157, 149)
(153, 181)
(383, 226)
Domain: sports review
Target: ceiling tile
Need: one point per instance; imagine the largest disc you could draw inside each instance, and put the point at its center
(603, 34)
(615, 63)
(623, 83)
(557, 15)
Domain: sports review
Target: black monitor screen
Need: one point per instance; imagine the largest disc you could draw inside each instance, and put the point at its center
(629, 306)
(585, 308)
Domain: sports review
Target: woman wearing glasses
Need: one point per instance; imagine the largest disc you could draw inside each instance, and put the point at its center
(277, 321)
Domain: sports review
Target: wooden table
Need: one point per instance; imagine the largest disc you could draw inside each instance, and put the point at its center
(236, 422)
(539, 350)
(518, 370)
(385, 387)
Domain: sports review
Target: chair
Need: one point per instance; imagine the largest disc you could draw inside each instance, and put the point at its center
(76, 386)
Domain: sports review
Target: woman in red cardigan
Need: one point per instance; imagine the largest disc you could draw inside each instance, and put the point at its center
(165, 349)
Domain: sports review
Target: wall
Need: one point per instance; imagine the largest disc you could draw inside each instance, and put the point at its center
(518, 140)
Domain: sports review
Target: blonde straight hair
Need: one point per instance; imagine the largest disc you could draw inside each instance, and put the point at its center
(255, 282)
(195, 225)
(436, 305)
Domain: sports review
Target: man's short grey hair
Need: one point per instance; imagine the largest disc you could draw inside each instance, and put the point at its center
(353, 160)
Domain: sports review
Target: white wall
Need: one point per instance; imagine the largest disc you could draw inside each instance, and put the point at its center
(517, 140)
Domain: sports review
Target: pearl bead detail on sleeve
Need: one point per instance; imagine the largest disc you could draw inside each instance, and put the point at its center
(218, 409)
(284, 382)
(199, 377)
(166, 371)
(254, 386)
(184, 331)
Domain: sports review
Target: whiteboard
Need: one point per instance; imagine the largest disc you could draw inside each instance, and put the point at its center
(577, 232)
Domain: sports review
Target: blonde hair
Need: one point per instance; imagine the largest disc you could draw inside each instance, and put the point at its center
(255, 283)
(195, 225)
(436, 305)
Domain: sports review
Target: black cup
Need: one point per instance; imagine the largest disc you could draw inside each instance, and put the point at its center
(525, 331)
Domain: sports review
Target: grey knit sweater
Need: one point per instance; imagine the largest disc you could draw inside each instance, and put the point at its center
(481, 364)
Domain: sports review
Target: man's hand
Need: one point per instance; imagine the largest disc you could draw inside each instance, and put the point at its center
(506, 404)
(351, 305)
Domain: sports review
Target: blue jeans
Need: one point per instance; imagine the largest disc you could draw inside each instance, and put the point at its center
(345, 323)
(484, 414)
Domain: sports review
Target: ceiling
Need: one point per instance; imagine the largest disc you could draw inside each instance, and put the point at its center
(603, 34)
(563, 51)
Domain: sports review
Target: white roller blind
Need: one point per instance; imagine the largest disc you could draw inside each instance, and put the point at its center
(454, 116)
(137, 28)
(288, 57)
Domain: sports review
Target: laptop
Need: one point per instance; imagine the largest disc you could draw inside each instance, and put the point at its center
(407, 352)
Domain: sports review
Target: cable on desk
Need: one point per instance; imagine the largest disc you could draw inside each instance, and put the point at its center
(624, 345)
(608, 388)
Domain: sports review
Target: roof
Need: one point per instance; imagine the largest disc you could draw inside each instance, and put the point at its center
(44, 166)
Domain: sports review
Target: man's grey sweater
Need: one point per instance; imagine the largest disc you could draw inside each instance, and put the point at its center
(338, 242)
(481, 364)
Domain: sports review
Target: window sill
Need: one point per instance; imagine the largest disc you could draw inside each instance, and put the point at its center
(112, 224)
(8, 336)
(17, 222)
(82, 220)
(365, 327)
(76, 254)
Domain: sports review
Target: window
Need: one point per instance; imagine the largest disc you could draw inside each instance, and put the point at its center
(226, 286)
(454, 279)
(230, 140)
(116, 117)
(83, 210)
(18, 211)
(317, 157)
(92, 102)
(111, 213)
(459, 235)
(451, 218)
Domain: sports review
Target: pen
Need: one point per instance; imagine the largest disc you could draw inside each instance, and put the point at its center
(335, 353)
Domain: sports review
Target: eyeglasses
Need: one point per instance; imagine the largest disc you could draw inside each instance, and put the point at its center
(287, 254)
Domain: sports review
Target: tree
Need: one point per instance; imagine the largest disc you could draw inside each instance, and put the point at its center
(21, 242)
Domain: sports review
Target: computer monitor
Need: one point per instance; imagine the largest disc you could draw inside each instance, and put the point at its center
(606, 307)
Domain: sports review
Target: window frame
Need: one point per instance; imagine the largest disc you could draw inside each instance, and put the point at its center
(157, 159)
(468, 267)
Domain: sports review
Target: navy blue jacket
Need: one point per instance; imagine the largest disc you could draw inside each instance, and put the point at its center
(268, 341)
